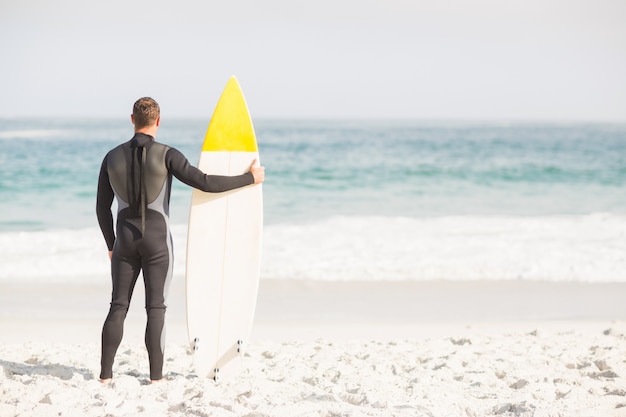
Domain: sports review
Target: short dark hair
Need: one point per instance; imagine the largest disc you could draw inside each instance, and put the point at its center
(145, 112)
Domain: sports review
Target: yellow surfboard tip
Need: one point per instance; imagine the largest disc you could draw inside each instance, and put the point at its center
(230, 129)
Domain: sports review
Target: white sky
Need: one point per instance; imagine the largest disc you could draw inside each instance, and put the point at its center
(461, 59)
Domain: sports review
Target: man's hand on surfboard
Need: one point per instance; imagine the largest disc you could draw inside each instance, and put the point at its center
(257, 171)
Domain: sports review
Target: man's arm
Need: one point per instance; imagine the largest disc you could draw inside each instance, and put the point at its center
(104, 200)
(180, 167)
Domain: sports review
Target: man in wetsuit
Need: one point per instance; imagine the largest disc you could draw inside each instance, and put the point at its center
(138, 174)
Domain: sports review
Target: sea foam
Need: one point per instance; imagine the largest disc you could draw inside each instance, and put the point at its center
(585, 248)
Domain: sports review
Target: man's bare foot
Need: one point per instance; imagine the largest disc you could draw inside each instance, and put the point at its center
(157, 381)
(105, 381)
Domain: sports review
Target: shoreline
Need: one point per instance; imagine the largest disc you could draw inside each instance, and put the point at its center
(307, 310)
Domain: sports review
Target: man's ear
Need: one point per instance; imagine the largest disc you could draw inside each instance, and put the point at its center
(158, 121)
(132, 118)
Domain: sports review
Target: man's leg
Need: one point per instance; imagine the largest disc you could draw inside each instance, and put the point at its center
(157, 273)
(124, 272)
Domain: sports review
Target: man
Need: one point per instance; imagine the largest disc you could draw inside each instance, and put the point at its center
(139, 174)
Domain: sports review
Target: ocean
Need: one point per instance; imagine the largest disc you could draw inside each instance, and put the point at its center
(348, 200)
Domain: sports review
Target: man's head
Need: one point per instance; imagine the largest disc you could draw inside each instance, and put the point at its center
(146, 113)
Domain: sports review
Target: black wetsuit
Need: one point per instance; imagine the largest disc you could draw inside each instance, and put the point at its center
(139, 174)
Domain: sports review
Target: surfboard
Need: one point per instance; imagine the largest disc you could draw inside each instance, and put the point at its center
(224, 243)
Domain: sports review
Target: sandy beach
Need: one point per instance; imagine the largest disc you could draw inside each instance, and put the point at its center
(437, 348)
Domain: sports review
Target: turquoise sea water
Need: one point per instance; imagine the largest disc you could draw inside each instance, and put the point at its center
(49, 168)
(348, 200)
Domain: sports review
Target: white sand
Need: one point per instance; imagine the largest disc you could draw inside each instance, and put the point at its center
(334, 349)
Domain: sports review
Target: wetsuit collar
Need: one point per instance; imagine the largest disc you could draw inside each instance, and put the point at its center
(140, 139)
